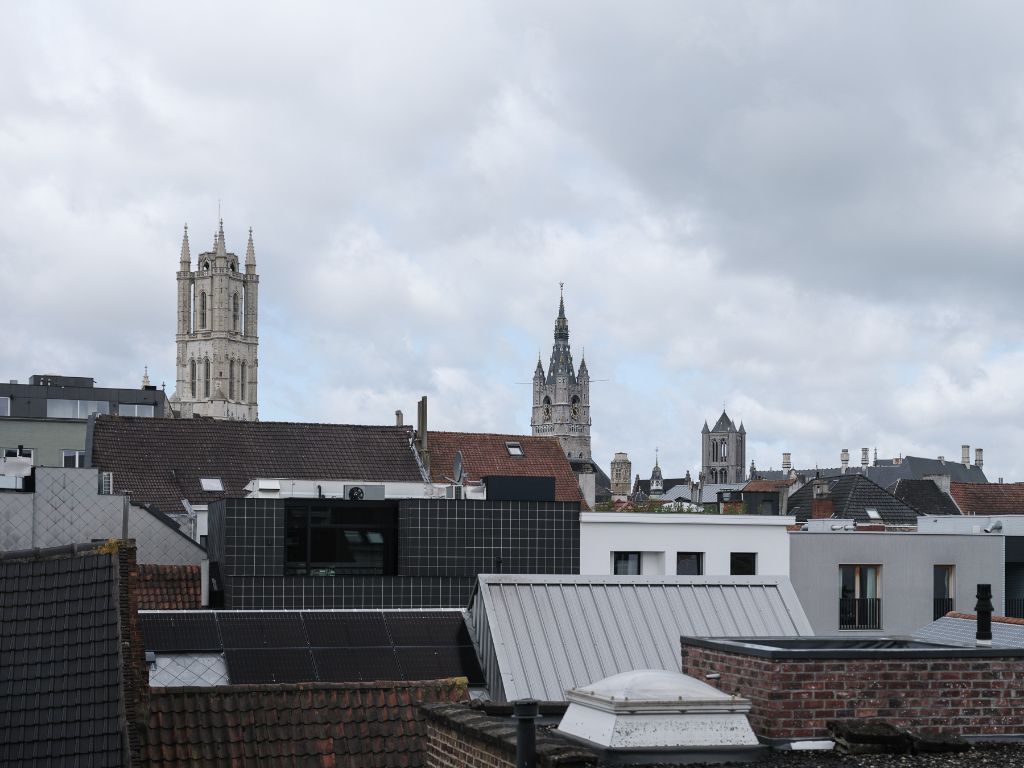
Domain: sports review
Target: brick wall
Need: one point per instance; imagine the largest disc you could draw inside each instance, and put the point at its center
(448, 748)
(794, 698)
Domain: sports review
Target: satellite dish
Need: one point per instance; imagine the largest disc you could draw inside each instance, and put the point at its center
(457, 472)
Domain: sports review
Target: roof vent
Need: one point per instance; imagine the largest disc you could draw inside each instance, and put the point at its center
(655, 708)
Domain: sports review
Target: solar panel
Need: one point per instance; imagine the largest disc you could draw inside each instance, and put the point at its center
(433, 663)
(270, 665)
(346, 630)
(351, 665)
(262, 630)
(179, 632)
(427, 628)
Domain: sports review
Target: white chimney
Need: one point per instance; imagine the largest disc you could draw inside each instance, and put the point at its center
(977, 457)
(965, 455)
(786, 463)
(844, 459)
(864, 457)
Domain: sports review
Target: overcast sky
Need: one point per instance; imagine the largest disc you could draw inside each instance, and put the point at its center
(812, 213)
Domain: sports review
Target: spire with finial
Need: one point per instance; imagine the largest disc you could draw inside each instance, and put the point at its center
(250, 252)
(561, 357)
(145, 376)
(186, 254)
(218, 244)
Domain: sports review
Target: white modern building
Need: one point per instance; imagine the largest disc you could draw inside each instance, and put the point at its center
(630, 543)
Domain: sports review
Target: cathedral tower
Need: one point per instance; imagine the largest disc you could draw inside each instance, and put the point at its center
(723, 451)
(561, 399)
(217, 340)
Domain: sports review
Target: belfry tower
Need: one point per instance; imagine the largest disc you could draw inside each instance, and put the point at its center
(217, 341)
(561, 400)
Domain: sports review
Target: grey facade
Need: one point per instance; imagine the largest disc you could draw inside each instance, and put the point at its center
(48, 415)
(66, 508)
(906, 564)
(432, 550)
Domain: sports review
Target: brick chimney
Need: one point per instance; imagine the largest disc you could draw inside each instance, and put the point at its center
(822, 506)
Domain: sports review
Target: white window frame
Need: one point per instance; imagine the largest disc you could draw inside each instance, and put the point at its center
(79, 455)
(20, 453)
(5, 406)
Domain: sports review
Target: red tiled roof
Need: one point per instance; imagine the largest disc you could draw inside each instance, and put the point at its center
(344, 725)
(486, 454)
(995, 617)
(988, 498)
(169, 587)
(766, 486)
(160, 461)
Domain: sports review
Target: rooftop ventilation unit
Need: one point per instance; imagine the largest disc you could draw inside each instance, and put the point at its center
(363, 492)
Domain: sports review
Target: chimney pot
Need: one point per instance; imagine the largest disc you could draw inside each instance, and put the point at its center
(398, 418)
(983, 610)
(844, 458)
(863, 457)
(786, 463)
(978, 457)
(965, 455)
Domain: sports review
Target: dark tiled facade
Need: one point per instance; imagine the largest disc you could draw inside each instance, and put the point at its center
(442, 545)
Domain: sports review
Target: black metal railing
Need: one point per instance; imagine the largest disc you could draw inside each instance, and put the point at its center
(860, 613)
(942, 606)
(1015, 607)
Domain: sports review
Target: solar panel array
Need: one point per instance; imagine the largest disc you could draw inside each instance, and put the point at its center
(321, 646)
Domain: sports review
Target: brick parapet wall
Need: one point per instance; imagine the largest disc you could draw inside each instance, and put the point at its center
(466, 736)
(794, 698)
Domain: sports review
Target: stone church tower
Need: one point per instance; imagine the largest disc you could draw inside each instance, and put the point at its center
(217, 310)
(561, 400)
(723, 451)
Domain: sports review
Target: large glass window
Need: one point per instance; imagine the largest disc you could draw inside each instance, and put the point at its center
(5, 406)
(743, 563)
(75, 409)
(689, 564)
(135, 409)
(73, 458)
(943, 589)
(626, 563)
(340, 540)
(860, 597)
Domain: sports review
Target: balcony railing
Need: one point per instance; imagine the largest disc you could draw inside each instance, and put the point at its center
(1015, 607)
(860, 613)
(942, 606)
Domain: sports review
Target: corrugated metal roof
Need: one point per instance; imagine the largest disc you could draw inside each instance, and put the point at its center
(951, 630)
(537, 636)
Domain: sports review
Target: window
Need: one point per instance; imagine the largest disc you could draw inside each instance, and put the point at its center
(20, 453)
(192, 377)
(75, 409)
(242, 396)
(943, 590)
(872, 513)
(202, 309)
(689, 564)
(626, 563)
(231, 379)
(743, 563)
(206, 377)
(73, 458)
(234, 311)
(340, 540)
(860, 597)
(211, 484)
(135, 409)
(5, 406)
(514, 449)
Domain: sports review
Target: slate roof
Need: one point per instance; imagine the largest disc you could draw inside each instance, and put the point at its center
(343, 726)
(961, 629)
(61, 679)
(851, 495)
(326, 646)
(160, 461)
(885, 472)
(169, 587)
(924, 496)
(540, 635)
(667, 484)
(988, 498)
(485, 454)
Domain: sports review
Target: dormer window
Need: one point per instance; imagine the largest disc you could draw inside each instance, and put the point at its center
(514, 449)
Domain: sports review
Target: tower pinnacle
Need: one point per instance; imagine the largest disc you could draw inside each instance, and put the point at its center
(250, 254)
(186, 255)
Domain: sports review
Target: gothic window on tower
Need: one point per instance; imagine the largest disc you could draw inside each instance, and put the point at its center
(192, 377)
(575, 407)
(725, 451)
(202, 309)
(242, 394)
(234, 312)
(206, 377)
(231, 380)
(547, 409)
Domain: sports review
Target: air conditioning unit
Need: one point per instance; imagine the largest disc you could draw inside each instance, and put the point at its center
(364, 492)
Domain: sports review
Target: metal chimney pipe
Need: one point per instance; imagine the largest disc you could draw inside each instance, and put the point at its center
(983, 610)
(398, 418)
(786, 462)
(965, 455)
(525, 712)
(978, 457)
